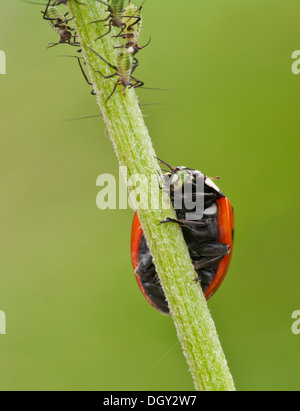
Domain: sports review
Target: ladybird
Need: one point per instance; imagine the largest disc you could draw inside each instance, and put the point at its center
(209, 240)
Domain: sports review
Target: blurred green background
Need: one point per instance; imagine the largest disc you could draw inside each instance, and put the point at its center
(75, 317)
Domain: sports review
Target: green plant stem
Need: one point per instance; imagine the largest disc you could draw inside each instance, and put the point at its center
(133, 147)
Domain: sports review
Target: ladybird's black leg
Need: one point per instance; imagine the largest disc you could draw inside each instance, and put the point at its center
(213, 253)
(170, 220)
(212, 250)
(145, 263)
(208, 262)
(205, 278)
(185, 223)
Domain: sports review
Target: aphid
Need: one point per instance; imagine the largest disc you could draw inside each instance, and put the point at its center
(209, 240)
(133, 20)
(132, 30)
(115, 17)
(126, 64)
(59, 22)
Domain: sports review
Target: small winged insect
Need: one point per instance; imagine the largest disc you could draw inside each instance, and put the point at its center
(60, 22)
(126, 64)
(116, 16)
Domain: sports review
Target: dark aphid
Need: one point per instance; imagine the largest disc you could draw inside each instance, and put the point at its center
(126, 64)
(209, 240)
(60, 22)
(115, 17)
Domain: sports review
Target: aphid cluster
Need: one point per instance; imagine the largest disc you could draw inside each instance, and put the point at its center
(125, 17)
(129, 20)
(60, 23)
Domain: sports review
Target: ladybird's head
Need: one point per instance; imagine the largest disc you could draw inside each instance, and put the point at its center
(188, 175)
(181, 175)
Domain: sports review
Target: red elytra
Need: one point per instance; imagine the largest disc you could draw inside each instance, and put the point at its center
(136, 235)
(226, 227)
(226, 230)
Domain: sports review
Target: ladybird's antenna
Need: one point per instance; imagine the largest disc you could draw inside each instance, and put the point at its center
(173, 169)
(214, 178)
